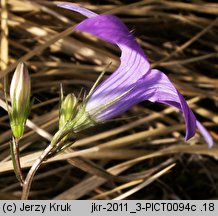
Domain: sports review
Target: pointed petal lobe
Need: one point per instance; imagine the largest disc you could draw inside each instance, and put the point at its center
(78, 9)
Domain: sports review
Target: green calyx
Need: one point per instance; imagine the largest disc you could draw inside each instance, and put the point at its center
(18, 119)
(17, 129)
(75, 124)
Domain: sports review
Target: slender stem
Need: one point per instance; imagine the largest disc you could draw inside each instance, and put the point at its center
(29, 178)
(15, 155)
(32, 171)
(55, 143)
(17, 160)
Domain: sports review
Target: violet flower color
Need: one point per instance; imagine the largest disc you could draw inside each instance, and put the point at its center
(134, 80)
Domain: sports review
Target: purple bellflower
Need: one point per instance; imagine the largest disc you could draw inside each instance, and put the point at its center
(134, 80)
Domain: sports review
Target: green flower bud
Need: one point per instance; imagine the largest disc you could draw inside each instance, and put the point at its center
(20, 99)
(68, 109)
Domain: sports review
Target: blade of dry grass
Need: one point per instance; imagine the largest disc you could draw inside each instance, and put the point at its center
(4, 36)
(145, 183)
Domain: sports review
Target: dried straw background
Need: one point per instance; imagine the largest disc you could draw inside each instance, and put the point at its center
(141, 156)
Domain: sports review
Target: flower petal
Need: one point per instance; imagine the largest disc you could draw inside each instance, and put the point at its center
(133, 72)
(133, 62)
(165, 92)
(76, 8)
(205, 134)
(156, 87)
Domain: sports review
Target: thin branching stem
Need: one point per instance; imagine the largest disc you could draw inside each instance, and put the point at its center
(57, 139)
(29, 178)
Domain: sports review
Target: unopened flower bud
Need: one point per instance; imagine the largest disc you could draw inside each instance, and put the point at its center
(20, 99)
(68, 109)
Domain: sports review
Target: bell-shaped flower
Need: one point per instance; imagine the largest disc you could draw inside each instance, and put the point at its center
(134, 80)
(20, 99)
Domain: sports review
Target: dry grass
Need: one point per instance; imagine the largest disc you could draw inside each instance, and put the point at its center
(141, 156)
